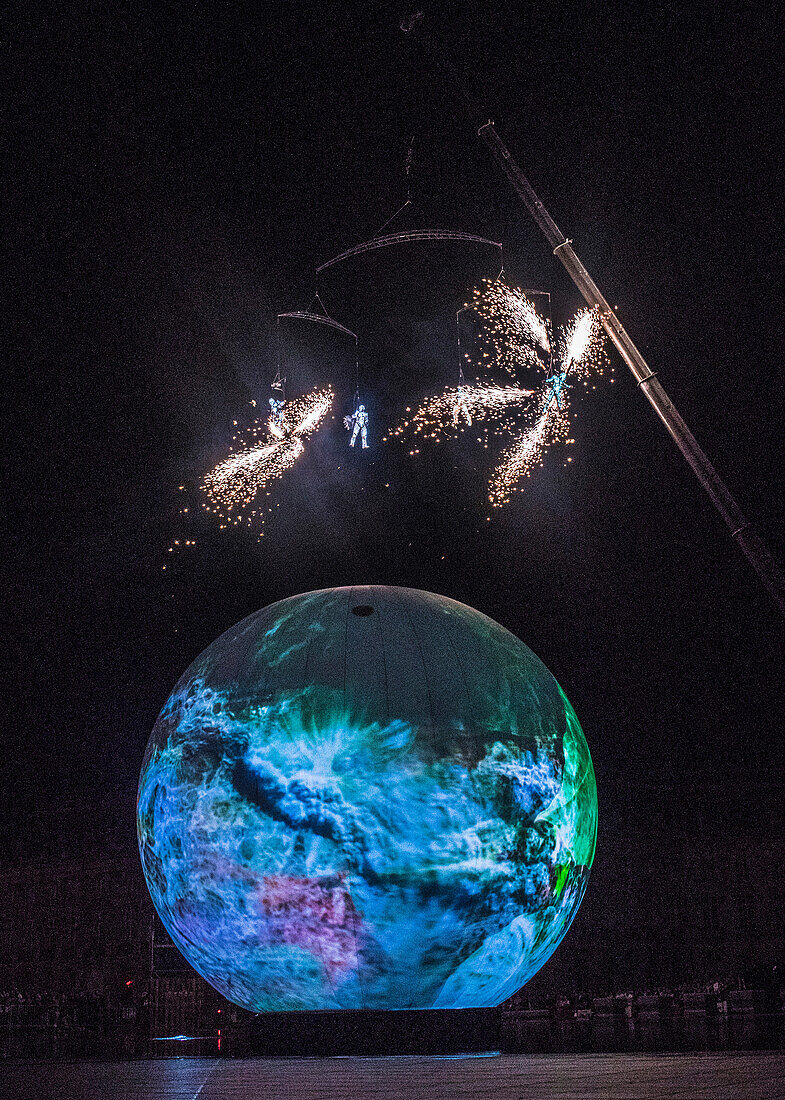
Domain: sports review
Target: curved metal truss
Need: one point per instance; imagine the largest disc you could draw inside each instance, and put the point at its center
(406, 238)
(319, 319)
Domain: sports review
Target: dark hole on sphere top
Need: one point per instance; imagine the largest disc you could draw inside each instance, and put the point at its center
(362, 609)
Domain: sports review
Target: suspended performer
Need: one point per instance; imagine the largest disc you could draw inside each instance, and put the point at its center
(557, 384)
(460, 407)
(276, 412)
(358, 421)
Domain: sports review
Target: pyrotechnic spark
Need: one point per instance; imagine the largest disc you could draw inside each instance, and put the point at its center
(577, 341)
(511, 333)
(582, 345)
(581, 355)
(460, 407)
(551, 426)
(234, 486)
(514, 336)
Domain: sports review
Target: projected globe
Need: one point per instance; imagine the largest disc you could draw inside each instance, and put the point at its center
(367, 798)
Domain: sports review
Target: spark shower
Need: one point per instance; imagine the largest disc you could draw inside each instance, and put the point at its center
(518, 422)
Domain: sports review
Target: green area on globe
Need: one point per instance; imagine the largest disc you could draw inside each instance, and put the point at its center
(367, 798)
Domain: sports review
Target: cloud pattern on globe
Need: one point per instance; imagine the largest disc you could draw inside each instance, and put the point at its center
(367, 798)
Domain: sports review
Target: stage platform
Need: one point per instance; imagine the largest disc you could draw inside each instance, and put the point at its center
(715, 1076)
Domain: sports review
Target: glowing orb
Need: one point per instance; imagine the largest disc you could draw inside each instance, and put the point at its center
(367, 798)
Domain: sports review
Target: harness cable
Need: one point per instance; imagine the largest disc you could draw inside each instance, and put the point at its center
(279, 382)
(408, 175)
(408, 169)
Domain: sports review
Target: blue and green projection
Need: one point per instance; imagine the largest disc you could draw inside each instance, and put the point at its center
(367, 798)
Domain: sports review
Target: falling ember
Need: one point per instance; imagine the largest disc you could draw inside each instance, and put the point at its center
(232, 488)
(459, 407)
(512, 334)
(582, 344)
(551, 426)
(581, 355)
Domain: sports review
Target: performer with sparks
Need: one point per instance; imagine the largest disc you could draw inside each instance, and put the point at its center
(556, 383)
(581, 352)
(498, 407)
(460, 406)
(513, 337)
(359, 421)
(276, 414)
(234, 486)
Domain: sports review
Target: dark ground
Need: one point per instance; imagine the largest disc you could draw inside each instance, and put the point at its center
(558, 1077)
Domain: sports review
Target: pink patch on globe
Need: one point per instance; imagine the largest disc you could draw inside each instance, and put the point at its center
(305, 913)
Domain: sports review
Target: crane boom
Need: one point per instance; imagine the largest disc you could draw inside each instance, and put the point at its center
(741, 530)
(753, 547)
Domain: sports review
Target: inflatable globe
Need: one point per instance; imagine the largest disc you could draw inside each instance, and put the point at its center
(367, 798)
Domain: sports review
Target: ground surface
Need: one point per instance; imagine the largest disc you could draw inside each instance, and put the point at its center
(723, 1076)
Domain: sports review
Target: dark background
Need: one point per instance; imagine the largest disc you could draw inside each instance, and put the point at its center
(176, 179)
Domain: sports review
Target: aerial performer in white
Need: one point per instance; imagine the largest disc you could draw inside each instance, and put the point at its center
(276, 421)
(460, 406)
(360, 421)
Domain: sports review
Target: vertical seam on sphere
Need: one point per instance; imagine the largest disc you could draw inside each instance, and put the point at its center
(346, 642)
(355, 912)
(422, 662)
(380, 601)
(456, 651)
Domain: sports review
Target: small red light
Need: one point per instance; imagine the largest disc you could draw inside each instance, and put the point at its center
(129, 983)
(219, 1012)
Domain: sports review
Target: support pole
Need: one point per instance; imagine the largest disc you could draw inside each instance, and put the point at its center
(752, 546)
(755, 550)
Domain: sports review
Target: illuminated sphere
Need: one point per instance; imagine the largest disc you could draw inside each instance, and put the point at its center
(367, 798)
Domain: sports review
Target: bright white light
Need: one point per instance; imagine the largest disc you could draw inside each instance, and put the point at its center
(233, 486)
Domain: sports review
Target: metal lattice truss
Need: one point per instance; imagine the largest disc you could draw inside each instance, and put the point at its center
(319, 319)
(406, 238)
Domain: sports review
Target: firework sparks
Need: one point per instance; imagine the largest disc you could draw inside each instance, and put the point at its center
(513, 336)
(577, 341)
(460, 407)
(582, 345)
(511, 333)
(551, 426)
(234, 487)
(581, 354)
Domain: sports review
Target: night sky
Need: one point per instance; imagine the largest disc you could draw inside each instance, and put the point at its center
(175, 181)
